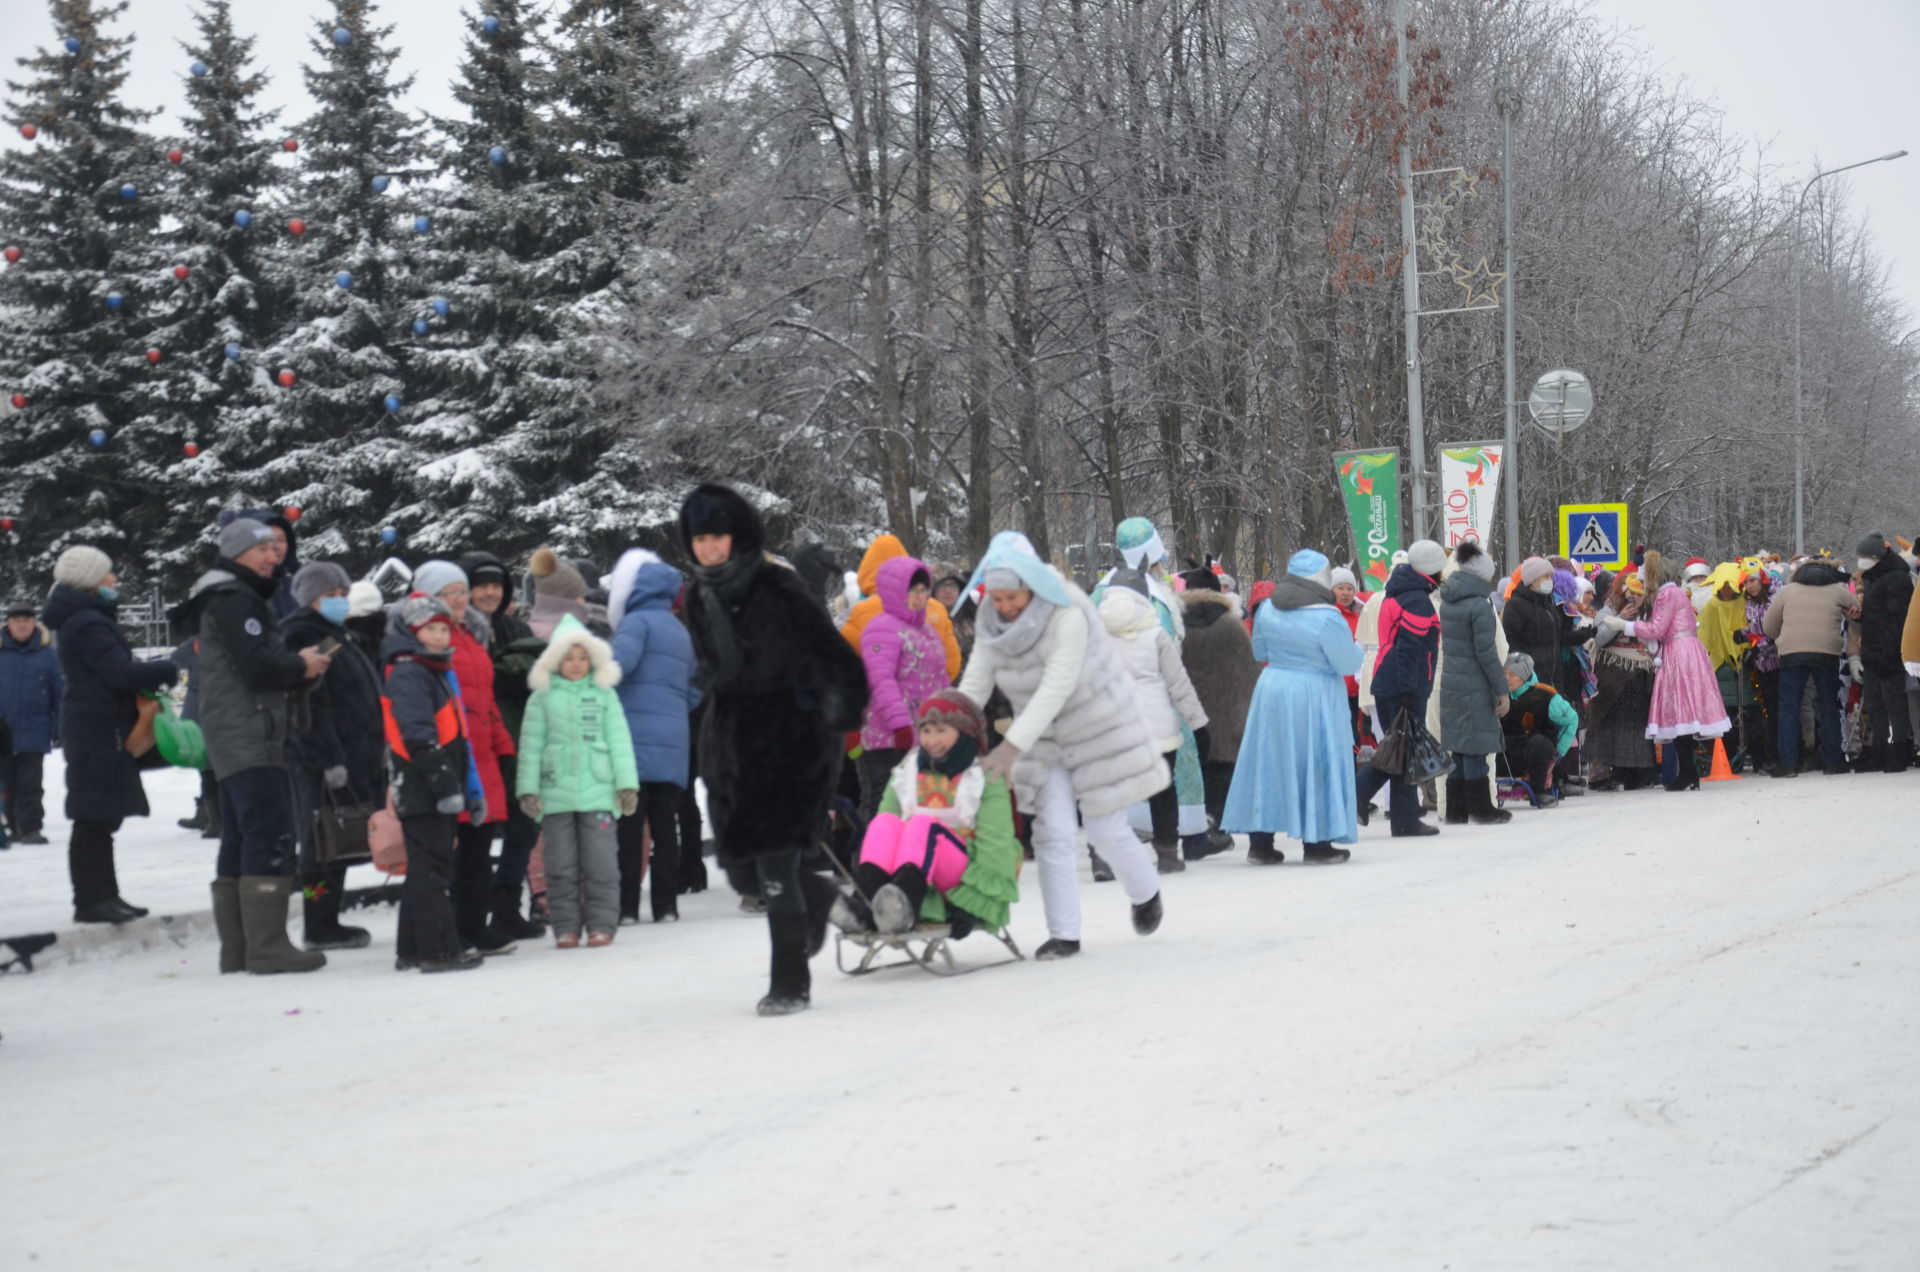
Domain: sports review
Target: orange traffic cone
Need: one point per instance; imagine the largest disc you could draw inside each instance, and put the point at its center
(1722, 771)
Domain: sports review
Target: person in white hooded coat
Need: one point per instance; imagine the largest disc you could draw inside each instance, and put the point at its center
(1166, 697)
(1078, 738)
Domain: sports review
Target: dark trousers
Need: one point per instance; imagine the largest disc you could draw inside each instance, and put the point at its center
(1757, 732)
(1824, 677)
(473, 879)
(427, 929)
(875, 768)
(1164, 808)
(658, 814)
(90, 862)
(516, 846)
(26, 811)
(777, 879)
(1530, 756)
(1216, 778)
(1404, 812)
(1469, 768)
(1883, 712)
(256, 824)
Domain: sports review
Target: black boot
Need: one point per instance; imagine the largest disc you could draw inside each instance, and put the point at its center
(790, 983)
(820, 895)
(1456, 801)
(1147, 915)
(1262, 851)
(506, 916)
(1323, 854)
(1481, 808)
(199, 819)
(1688, 776)
(896, 906)
(212, 828)
(320, 896)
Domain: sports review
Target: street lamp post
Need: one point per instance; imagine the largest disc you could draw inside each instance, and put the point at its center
(1799, 430)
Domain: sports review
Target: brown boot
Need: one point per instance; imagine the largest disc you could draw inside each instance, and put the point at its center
(1167, 857)
(263, 919)
(226, 921)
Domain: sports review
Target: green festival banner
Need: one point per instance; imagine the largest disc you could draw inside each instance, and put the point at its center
(1370, 483)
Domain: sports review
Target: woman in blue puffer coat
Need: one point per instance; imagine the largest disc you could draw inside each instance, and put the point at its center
(655, 657)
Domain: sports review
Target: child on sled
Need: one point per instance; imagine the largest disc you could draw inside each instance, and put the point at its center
(942, 847)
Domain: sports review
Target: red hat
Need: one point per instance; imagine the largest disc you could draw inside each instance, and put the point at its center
(951, 707)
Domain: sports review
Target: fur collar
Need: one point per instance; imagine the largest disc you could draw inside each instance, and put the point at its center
(571, 632)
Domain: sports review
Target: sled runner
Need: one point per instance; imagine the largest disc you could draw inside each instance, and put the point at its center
(927, 948)
(1515, 788)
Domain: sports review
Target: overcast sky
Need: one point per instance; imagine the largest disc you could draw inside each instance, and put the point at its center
(1830, 81)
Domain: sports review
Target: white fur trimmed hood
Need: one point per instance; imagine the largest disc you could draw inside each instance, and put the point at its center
(570, 632)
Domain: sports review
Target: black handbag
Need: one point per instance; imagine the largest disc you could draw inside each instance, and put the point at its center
(1390, 757)
(340, 831)
(1427, 760)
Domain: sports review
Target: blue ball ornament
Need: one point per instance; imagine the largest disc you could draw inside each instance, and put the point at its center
(73, 44)
(421, 326)
(342, 36)
(498, 154)
(388, 534)
(98, 437)
(440, 306)
(243, 218)
(394, 403)
(233, 353)
(380, 184)
(423, 225)
(199, 70)
(343, 279)
(129, 191)
(490, 24)
(115, 300)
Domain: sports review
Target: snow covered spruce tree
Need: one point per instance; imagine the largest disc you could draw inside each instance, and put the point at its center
(79, 208)
(236, 295)
(329, 443)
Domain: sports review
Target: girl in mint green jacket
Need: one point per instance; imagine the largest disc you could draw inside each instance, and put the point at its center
(576, 774)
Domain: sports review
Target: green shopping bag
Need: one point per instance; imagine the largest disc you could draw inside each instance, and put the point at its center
(179, 742)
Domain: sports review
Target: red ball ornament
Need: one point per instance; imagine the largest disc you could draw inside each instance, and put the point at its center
(6, 524)
(191, 450)
(20, 402)
(176, 155)
(286, 379)
(289, 145)
(180, 272)
(296, 227)
(291, 513)
(29, 131)
(13, 255)
(153, 355)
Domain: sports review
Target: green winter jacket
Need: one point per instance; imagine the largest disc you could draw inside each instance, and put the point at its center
(991, 883)
(575, 752)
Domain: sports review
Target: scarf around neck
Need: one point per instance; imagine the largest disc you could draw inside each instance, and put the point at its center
(723, 588)
(1012, 640)
(955, 762)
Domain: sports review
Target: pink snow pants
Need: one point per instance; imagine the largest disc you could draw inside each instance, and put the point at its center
(924, 842)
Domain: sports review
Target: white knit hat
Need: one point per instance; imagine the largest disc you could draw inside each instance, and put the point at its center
(1426, 556)
(363, 598)
(82, 568)
(1341, 574)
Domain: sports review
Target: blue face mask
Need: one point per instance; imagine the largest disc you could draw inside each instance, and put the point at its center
(334, 608)
(107, 594)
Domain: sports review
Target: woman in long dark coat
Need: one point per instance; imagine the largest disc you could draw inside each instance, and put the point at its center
(1473, 687)
(104, 681)
(782, 688)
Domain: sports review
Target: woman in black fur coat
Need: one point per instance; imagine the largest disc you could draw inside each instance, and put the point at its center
(782, 689)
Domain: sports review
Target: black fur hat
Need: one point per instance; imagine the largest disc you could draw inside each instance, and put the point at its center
(716, 509)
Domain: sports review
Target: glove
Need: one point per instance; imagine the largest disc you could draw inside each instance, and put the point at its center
(1501, 706)
(1856, 668)
(903, 739)
(1001, 759)
(1742, 637)
(1203, 743)
(1913, 669)
(530, 805)
(452, 805)
(629, 802)
(477, 810)
(335, 777)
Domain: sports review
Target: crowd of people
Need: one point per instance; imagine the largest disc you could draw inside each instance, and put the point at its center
(881, 751)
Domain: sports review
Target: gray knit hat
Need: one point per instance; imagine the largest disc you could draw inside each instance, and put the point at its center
(1520, 664)
(1426, 556)
(437, 574)
(314, 579)
(82, 568)
(240, 534)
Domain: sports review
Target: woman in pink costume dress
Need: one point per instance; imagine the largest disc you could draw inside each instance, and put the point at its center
(1686, 697)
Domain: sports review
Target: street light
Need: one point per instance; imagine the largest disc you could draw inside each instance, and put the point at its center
(1799, 430)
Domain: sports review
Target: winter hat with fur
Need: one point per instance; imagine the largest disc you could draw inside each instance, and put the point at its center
(552, 576)
(82, 568)
(1426, 556)
(569, 632)
(1533, 569)
(1468, 556)
(312, 580)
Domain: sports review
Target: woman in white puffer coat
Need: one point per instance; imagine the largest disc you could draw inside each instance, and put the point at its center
(1166, 697)
(1078, 738)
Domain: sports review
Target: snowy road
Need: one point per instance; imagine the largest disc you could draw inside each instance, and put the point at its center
(1686, 1036)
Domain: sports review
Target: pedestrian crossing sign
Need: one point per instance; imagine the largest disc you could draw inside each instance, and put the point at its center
(1594, 534)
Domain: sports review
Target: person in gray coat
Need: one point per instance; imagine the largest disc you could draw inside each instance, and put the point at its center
(1473, 687)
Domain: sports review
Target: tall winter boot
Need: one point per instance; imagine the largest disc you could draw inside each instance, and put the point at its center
(1167, 857)
(896, 906)
(790, 983)
(506, 916)
(321, 929)
(199, 819)
(226, 921)
(211, 830)
(820, 895)
(1482, 809)
(263, 919)
(1456, 801)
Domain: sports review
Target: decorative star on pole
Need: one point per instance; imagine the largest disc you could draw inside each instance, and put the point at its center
(1480, 283)
(1466, 183)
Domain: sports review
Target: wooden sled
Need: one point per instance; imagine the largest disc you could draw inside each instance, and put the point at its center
(926, 948)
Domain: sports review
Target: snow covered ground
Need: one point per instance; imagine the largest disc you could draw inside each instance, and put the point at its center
(1637, 1032)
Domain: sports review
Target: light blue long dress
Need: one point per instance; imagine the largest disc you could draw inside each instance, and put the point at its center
(1295, 772)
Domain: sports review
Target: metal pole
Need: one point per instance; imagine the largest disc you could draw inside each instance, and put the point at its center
(1799, 431)
(1410, 282)
(1509, 105)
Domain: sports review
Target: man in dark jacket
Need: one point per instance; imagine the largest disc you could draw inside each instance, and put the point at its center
(286, 554)
(1886, 591)
(1403, 674)
(30, 691)
(245, 675)
(513, 647)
